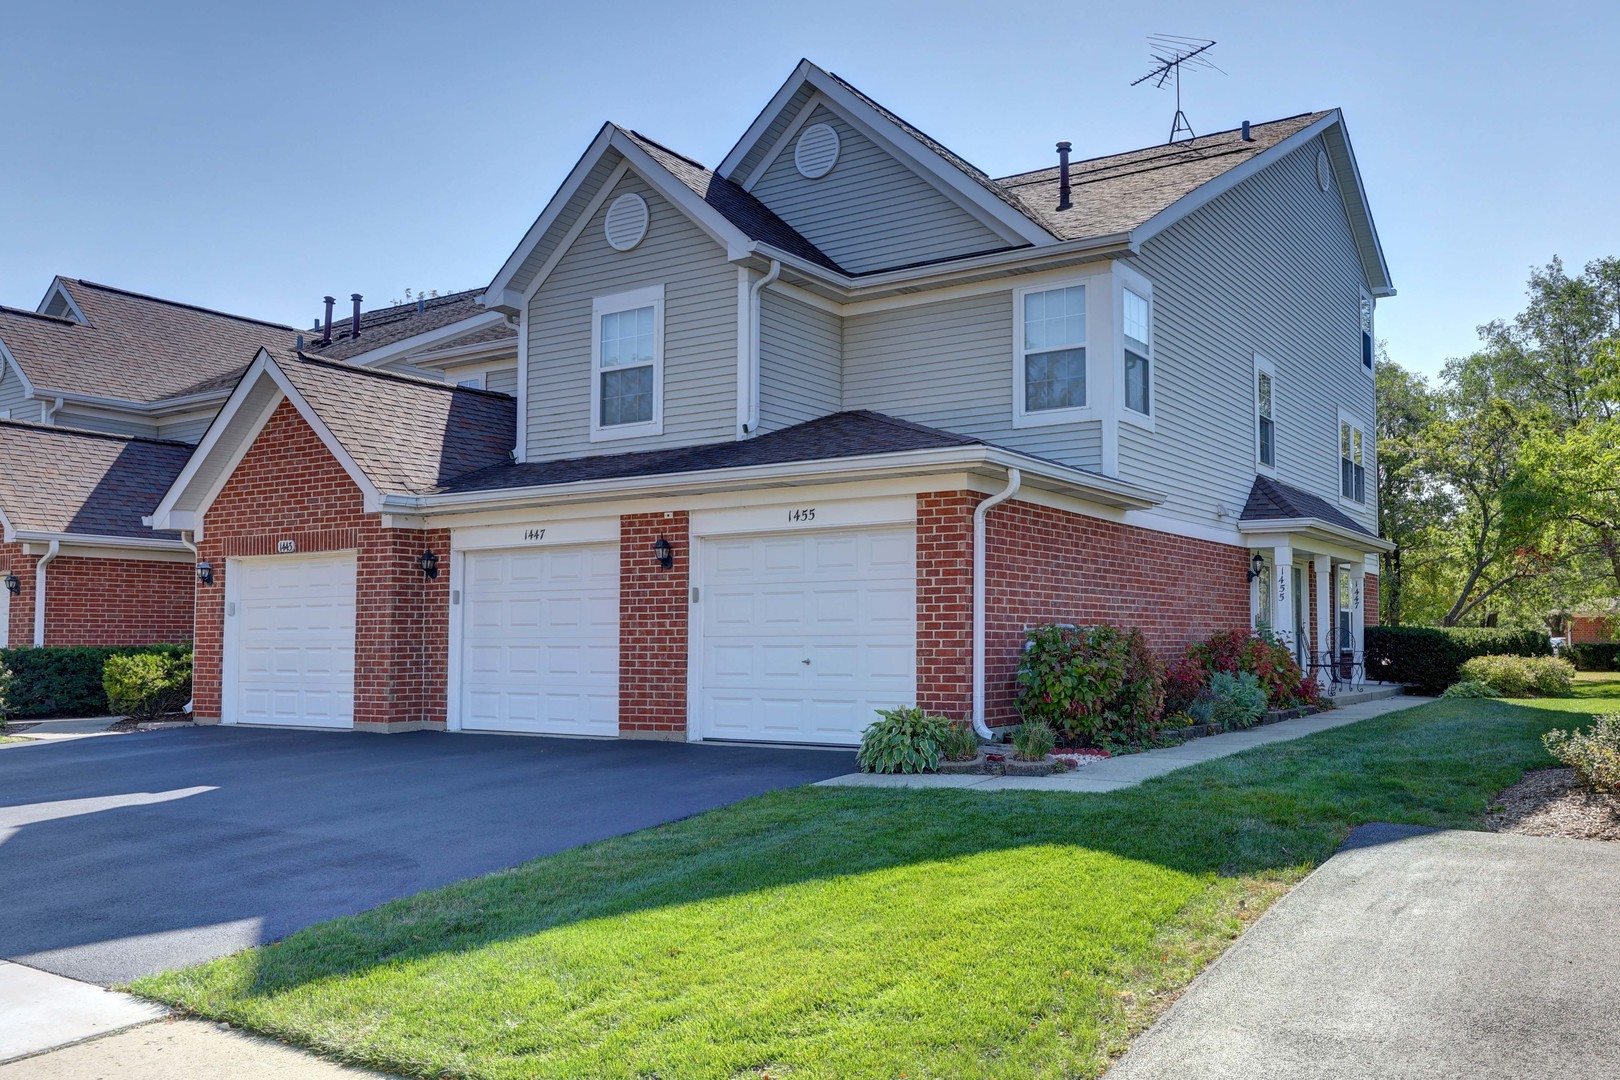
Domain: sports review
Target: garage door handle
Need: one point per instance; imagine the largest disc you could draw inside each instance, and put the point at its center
(805, 661)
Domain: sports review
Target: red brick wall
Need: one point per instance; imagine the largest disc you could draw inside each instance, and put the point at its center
(289, 487)
(94, 601)
(652, 625)
(1585, 630)
(1369, 601)
(1045, 566)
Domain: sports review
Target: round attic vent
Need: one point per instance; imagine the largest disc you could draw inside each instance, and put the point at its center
(1324, 174)
(626, 222)
(816, 152)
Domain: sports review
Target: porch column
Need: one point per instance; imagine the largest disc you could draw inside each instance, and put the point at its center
(1323, 564)
(1358, 588)
(1282, 571)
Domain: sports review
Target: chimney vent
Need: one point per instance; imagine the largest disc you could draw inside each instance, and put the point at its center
(354, 321)
(1063, 176)
(326, 335)
(421, 304)
(300, 343)
(1246, 136)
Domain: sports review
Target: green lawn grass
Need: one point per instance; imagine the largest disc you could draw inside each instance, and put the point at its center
(864, 933)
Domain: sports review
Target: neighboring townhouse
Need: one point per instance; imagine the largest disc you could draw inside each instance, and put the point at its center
(818, 431)
(451, 337)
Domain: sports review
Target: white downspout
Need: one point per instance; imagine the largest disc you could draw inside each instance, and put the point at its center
(751, 414)
(39, 590)
(1014, 480)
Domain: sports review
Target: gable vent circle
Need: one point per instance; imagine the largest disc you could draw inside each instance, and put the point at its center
(816, 152)
(626, 223)
(1324, 174)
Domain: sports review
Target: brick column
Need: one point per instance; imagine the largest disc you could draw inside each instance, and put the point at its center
(653, 607)
(1370, 601)
(945, 602)
(20, 631)
(402, 627)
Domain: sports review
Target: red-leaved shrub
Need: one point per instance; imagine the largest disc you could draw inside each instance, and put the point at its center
(1262, 656)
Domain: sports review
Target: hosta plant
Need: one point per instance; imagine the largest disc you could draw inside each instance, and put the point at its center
(903, 740)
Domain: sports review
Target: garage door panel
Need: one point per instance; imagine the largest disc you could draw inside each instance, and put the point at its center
(294, 650)
(540, 641)
(845, 601)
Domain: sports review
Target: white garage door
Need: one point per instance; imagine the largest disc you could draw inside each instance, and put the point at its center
(540, 640)
(294, 647)
(804, 635)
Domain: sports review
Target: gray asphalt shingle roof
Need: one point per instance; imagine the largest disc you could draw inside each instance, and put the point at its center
(55, 479)
(1270, 500)
(388, 325)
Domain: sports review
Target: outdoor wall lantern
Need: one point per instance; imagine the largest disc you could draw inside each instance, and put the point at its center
(1256, 565)
(664, 553)
(13, 584)
(429, 563)
(205, 573)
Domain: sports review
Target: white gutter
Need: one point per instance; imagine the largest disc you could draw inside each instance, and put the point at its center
(751, 391)
(142, 543)
(1350, 537)
(1014, 480)
(39, 590)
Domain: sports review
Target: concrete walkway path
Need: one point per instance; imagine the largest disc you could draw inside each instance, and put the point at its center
(180, 1050)
(1131, 769)
(1413, 954)
(39, 1010)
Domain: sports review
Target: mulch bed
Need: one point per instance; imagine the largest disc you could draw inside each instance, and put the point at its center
(1554, 802)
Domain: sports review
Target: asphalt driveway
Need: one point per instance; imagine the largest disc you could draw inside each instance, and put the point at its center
(1413, 953)
(126, 854)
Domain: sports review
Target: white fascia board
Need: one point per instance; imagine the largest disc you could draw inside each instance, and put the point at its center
(60, 286)
(136, 544)
(6, 355)
(160, 518)
(1339, 138)
(371, 496)
(1089, 486)
(394, 350)
(1361, 541)
(897, 141)
(6, 529)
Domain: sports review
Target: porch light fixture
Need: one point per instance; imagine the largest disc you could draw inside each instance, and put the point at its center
(205, 573)
(1256, 565)
(429, 563)
(13, 584)
(664, 553)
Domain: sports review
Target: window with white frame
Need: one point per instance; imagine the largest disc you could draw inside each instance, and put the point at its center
(472, 382)
(1051, 331)
(1138, 319)
(627, 359)
(1352, 464)
(1366, 332)
(1265, 415)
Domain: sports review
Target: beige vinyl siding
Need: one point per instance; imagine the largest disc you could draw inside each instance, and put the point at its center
(502, 381)
(700, 333)
(406, 367)
(872, 211)
(13, 395)
(186, 428)
(949, 365)
(799, 365)
(1267, 267)
(112, 423)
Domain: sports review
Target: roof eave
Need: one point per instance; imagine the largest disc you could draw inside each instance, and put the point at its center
(1317, 527)
(136, 543)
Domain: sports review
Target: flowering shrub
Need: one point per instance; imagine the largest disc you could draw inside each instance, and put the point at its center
(1184, 683)
(1522, 676)
(1594, 754)
(1091, 683)
(1263, 656)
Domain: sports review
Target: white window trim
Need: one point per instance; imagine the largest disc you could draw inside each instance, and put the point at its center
(653, 296)
(1372, 333)
(1338, 457)
(1126, 278)
(471, 382)
(1022, 417)
(1263, 365)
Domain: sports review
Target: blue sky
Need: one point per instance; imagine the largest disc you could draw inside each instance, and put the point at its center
(254, 157)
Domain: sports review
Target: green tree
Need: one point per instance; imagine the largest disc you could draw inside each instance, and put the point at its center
(1408, 501)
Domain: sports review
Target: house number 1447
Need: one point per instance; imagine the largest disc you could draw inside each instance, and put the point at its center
(534, 534)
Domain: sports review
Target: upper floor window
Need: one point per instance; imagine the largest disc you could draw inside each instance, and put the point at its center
(1366, 332)
(1051, 354)
(1265, 381)
(1352, 467)
(627, 351)
(1137, 312)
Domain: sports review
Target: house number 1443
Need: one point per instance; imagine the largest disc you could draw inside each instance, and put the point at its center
(801, 514)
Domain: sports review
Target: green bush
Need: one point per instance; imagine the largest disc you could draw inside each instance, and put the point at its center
(1428, 657)
(5, 697)
(58, 680)
(1594, 754)
(1091, 683)
(1596, 656)
(147, 686)
(1470, 688)
(1522, 676)
(903, 740)
(1033, 740)
(1263, 655)
(1240, 700)
(959, 742)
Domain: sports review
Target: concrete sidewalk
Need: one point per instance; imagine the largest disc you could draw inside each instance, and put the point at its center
(1131, 769)
(1413, 954)
(180, 1050)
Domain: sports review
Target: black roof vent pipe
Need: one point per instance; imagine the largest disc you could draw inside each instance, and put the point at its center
(354, 321)
(1246, 136)
(1063, 176)
(326, 335)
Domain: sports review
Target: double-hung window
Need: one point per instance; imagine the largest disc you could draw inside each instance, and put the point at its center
(1352, 467)
(1366, 332)
(1051, 348)
(1138, 317)
(1265, 416)
(627, 364)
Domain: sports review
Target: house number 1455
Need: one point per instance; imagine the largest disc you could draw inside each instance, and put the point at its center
(801, 514)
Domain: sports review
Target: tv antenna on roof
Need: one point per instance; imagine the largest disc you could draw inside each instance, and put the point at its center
(1170, 52)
